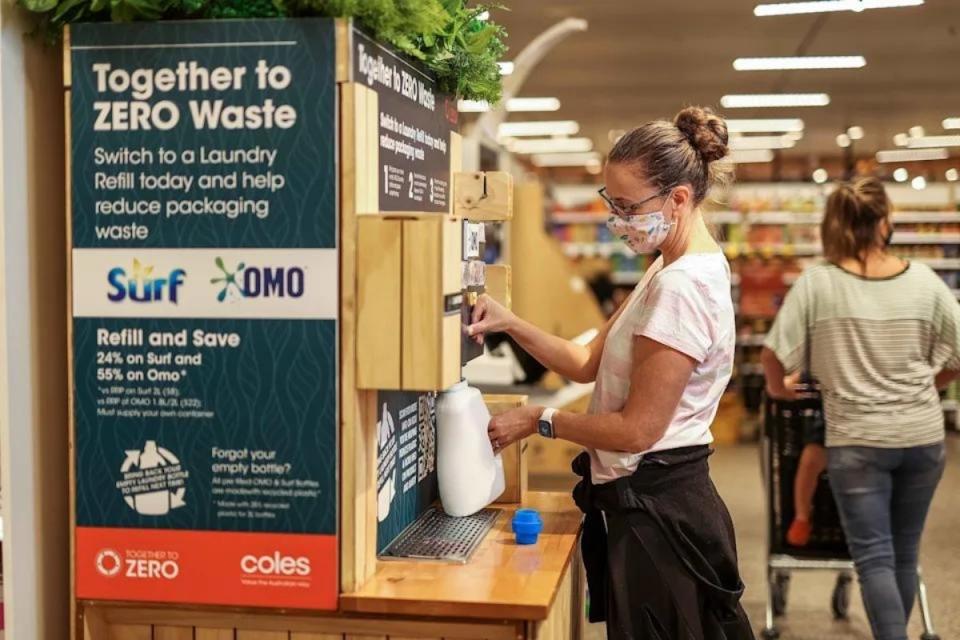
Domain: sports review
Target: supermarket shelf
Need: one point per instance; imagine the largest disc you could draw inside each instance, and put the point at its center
(595, 249)
(942, 264)
(626, 277)
(723, 217)
(900, 237)
(783, 217)
(578, 217)
(780, 249)
(765, 217)
(755, 340)
(925, 217)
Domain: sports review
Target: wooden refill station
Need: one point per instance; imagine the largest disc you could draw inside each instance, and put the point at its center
(407, 279)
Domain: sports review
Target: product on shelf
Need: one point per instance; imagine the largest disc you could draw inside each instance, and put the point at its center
(762, 287)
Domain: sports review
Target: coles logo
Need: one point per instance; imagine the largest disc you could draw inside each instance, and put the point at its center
(109, 563)
(275, 565)
(248, 281)
(156, 565)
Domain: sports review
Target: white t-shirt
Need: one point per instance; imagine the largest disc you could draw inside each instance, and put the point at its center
(687, 307)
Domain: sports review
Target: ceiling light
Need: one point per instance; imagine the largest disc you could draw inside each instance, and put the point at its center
(765, 125)
(952, 175)
(901, 139)
(513, 104)
(919, 183)
(762, 142)
(539, 128)
(912, 155)
(843, 140)
(855, 133)
(926, 142)
(796, 136)
(615, 134)
(901, 175)
(549, 145)
(506, 68)
(824, 6)
(533, 104)
(820, 176)
(916, 132)
(775, 100)
(745, 156)
(566, 159)
(799, 62)
(951, 123)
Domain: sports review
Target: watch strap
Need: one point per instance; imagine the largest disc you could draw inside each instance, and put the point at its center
(545, 424)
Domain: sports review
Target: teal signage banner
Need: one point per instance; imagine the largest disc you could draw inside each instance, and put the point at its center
(205, 306)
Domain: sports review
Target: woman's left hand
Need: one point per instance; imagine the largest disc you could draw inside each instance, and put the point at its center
(791, 390)
(510, 426)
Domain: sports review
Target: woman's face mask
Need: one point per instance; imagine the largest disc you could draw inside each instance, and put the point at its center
(642, 232)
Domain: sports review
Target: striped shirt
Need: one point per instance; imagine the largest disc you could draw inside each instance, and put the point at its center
(876, 346)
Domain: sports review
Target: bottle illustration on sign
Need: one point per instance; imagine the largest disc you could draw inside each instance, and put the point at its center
(153, 481)
(386, 463)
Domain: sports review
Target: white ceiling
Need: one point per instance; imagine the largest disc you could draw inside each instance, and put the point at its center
(645, 59)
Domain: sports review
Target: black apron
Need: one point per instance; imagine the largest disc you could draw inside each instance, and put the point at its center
(665, 565)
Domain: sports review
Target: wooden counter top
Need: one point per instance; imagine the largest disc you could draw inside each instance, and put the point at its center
(502, 580)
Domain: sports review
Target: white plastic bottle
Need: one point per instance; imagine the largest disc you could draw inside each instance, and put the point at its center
(469, 474)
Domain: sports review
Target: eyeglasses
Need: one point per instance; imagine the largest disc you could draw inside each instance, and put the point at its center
(630, 209)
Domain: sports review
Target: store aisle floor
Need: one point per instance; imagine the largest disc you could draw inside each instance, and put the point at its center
(736, 472)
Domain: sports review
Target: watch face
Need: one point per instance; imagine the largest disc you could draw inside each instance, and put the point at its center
(544, 428)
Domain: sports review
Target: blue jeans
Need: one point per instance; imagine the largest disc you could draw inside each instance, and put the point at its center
(883, 496)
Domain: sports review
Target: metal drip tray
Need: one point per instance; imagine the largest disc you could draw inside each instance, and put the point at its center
(437, 536)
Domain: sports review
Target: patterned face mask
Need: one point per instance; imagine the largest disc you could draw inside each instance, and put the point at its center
(643, 233)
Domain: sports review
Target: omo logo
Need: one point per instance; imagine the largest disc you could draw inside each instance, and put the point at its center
(248, 281)
(141, 285)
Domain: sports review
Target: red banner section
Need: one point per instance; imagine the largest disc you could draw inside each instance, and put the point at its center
(208, 567)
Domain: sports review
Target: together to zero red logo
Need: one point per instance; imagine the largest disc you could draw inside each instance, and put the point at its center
(109, 562)
(160, 565)
(275, 565)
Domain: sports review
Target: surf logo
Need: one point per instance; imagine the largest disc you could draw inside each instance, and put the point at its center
(141, 285)
(248, 281)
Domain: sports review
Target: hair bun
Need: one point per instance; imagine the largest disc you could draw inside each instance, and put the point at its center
(705, 130)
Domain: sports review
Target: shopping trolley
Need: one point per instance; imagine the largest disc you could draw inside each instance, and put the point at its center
(783, 427)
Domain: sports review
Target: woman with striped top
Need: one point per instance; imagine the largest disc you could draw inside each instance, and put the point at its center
(884, 334)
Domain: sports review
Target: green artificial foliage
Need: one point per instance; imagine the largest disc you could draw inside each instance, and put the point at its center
(447, 36)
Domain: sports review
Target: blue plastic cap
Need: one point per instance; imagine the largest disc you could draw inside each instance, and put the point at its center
(527, 525)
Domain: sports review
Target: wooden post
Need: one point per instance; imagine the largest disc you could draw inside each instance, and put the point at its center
(358, 452)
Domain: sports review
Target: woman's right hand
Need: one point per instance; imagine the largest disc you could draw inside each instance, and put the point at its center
(489, 316)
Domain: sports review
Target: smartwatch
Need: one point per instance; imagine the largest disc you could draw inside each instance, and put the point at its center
(545, 424)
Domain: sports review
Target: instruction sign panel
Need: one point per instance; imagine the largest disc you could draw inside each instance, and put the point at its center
(406, 460)
(415, 122)
(205, 304)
